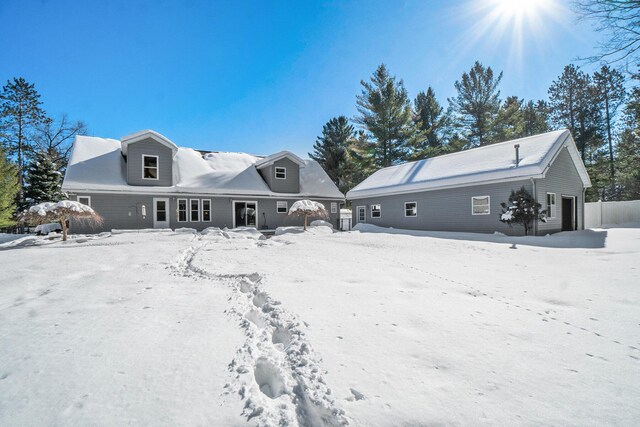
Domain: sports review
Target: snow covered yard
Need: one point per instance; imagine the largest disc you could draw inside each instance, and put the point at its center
(365, 328)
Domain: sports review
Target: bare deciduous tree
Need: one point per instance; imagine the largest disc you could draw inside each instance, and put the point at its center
(55, 137)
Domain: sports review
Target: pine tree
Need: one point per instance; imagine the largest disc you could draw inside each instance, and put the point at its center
(385, 114)
(522, 209)
(20, 113)
(8, 191)
(477, 104)
(330, 150)
(43, 181)
(430, 119)
(510, 120)
(536, 118)
(628, 148)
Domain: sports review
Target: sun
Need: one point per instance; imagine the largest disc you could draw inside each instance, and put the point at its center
(518, 9)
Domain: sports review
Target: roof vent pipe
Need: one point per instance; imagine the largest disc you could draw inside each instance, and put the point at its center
(517, 147)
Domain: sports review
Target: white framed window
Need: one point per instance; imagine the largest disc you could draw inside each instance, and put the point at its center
(362, 214)
(551, 205)
(376, 211)
(281, 173)
(334, 207)
(182, 210)
(281, 207)
(206, 210)
(85, 200)
(150, 168)
(194, 210)
(481, 205)
(410, 209)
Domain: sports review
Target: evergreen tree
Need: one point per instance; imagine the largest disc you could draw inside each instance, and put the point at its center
(330, 150)
(20, 113)
(628, 148)
(359, 163)
(510, 120)
(535, 116)
(43, 181)
(385, 114)
(8, 191)
(522, 209)
(477, 104)
(430, 119)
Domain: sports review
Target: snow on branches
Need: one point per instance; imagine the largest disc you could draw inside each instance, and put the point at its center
(308, 208)
(522, 209)
(62, 212)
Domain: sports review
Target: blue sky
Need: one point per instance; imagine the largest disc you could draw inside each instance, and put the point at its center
(263, 76)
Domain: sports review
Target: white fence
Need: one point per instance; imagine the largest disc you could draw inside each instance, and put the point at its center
(598, 213)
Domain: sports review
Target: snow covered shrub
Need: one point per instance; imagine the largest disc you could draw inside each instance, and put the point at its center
(522, 209)
(63, 211)
(308, 208)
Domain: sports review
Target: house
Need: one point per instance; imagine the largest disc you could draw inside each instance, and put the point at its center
(463, 191)
(146, 181)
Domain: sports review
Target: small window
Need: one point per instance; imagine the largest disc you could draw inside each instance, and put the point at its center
(149, 167)
(551, 205)
(411, 209)
(206, 210)
(195, 210)
(480, 205)
(182, 210)
(376, 212)
(362, 214)
(281, 173)
(281, 207)
(334, 207)
(85, 200)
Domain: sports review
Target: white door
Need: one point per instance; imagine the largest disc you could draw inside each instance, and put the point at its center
(161, 213)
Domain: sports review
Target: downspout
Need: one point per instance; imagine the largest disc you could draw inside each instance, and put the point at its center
(535, 198)
(584, 194)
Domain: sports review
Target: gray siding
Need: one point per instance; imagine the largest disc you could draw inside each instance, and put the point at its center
(563, 179)
(124, 211)
(289, 185)
(136, 150)
(444, 210)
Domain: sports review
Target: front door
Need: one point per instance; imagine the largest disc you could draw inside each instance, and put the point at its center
(362, 214)
(568, 213)
(245, 214)
(161, 213)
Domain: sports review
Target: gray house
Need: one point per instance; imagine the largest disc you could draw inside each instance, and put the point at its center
(463, 191)
(146, 181)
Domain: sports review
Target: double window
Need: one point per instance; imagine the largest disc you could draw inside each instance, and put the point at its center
(551, 205)
(376, 212)
(194, 211)
(281, 207)
(281, 173)
(182, 210)
(149, 167)
(480, 205)
(85, 200)
(206, 210)
(410, 209)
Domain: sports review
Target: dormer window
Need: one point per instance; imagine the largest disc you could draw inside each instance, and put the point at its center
(281, 173)
(149, 167)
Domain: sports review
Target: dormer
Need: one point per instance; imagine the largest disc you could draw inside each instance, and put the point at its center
(281, 171)
(149, 156)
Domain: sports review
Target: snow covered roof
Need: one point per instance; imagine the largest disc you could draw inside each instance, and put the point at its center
(144, 134)
(483, 165)
(97, 165)
(269, 160)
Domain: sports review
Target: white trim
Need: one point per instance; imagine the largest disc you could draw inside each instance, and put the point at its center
(167, 222)
(157, 167)
(334, 207)
(488, 205)
(548, 206)
(379, 211)
(282, 170)
(269, 160)
(233, 211)
(149, 191)
(364, 210)
(191, 210)
(84, 197)
(415, 210)
(202, 210)
(186, 210)
(574, 210)
(144, 134)
(286, 206)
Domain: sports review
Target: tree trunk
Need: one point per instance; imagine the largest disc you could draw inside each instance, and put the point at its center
(63, 222)
(305, 221)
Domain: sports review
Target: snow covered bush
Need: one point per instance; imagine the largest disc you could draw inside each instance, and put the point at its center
(522, 209)
(63, 211)
(308, 208)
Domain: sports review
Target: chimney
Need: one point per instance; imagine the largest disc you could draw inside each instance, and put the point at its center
(517, 147)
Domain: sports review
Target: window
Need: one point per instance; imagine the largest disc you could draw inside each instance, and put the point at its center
(411, 209)
(551, 205)
(375, 211)
(281, 207)
(85, 200)
(206, 210)
(480, 205)
(334, 207)
(182, 210)
(195, 210)
(362, 214)
(281, 173)
(149, 167)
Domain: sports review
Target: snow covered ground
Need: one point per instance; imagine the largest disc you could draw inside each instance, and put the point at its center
(380, 327)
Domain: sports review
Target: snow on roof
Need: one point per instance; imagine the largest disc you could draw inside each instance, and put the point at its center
(97, 164)
(144, 134)
(269, 160)
(482, 165)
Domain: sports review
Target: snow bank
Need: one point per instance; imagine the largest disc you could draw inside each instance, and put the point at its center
(142, 230)
(48, 228)
(313, 230)
(306, 206)
(243, 233)
(43, 209)
(319, 222)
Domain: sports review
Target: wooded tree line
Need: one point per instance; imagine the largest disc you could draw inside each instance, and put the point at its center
(34, 150)
(390, 128)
